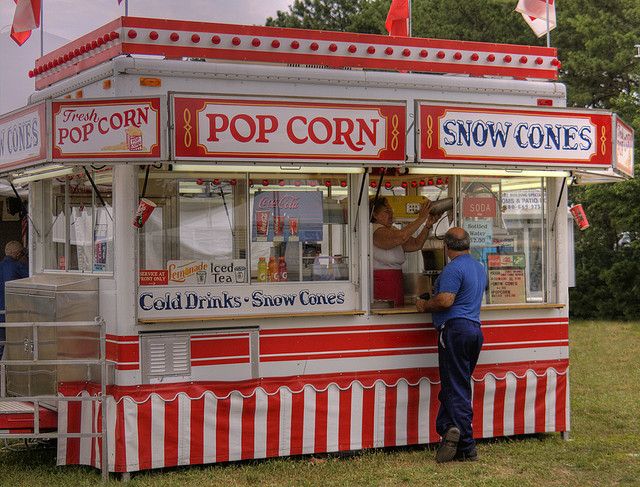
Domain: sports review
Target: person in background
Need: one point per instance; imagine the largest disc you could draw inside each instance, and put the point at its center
(455, 307)
(390, 245)
(11, 267)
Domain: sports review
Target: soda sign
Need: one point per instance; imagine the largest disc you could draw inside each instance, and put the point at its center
(249, 129)
(479, 207)
(492, 135)
(106, 129)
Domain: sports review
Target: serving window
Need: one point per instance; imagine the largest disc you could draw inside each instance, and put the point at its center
(240, 228)
(505, 218)
(79, 222)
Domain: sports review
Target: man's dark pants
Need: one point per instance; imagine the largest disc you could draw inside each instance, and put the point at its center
(459, 346)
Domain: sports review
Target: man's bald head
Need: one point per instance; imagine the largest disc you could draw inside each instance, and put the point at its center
(457, 239)
(14, 249)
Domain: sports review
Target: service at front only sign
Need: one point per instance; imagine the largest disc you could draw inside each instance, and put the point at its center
(125, 129)
(237, 128)
(22, 138)
(514, 136)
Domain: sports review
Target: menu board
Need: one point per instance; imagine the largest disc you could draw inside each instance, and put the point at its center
(506, 278)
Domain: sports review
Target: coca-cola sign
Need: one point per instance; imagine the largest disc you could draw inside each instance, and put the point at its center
(106, 129)
(280, 216)
(285, 129)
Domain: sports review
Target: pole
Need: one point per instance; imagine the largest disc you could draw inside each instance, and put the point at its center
(410, 23)
(42, 29)
(548, 25)
(126, 8)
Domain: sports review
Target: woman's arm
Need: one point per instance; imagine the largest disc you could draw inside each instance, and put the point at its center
(417, 242)
(388, 237)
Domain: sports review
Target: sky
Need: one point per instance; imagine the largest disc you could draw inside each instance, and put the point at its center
(69, 19)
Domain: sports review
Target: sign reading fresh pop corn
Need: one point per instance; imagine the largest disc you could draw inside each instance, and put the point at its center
(106, 129)
(624, 148)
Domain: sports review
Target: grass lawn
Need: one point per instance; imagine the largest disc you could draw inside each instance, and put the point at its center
(604, 448)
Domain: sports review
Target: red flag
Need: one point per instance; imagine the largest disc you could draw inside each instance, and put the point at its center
(534, 13)
(25, 19)
(397, 23)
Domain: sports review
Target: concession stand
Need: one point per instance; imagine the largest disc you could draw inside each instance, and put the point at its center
(212, 183)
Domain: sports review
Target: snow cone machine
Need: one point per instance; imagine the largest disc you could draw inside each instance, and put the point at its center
(213, 182)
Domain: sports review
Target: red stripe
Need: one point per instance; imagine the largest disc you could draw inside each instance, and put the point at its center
(478, 408)
(329, 355)
(512, 346)
(344, 421)
(196, 448)
(74, 419)
(120, 440)
(144, 434)
(525, 321)
(498, 407)
(368, 416)
(273, 425)
(222, 430)
(122, 338)
(540, 404)
(413, 405)
(390, 411)
(322, 409)
(434, 405)
(519, 406)
(219, 348)
(297, 422)
(561, 402)
(338, 329)
(171, 433)
(248, 426)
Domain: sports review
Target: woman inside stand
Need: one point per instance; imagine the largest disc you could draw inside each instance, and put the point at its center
(390, 245)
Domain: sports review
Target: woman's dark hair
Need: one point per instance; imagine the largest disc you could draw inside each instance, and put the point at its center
(375, 205)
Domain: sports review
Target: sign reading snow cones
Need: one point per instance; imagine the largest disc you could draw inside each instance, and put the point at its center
(492, 135)
(106, 129)
(249, 129)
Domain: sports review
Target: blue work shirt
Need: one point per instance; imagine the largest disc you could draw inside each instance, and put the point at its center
(465, 277)
(10, 269)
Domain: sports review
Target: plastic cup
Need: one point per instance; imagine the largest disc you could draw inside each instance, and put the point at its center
(262, 223)
(293, 226)
(278, 225)
(579, 216)
(145, 208)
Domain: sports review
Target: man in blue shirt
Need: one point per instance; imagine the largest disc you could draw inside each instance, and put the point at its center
(11, 268)
(455, 307)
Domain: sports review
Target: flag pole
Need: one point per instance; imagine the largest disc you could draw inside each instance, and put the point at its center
(548, 24)
(42, 28)
(126, 8)
(409, 30)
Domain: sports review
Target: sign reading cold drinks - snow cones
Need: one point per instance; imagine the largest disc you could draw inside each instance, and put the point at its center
(106, 129)
(239, 128)
(515, 136)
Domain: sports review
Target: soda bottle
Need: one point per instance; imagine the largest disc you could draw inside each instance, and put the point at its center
(282, 270)
(262, 270)
(272, 275)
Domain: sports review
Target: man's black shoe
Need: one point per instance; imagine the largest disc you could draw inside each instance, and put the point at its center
(471, 456)
(448, 446)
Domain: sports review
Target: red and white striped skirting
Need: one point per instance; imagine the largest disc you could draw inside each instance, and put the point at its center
(188, 424)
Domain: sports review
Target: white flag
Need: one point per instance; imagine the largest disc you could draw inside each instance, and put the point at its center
(534, 13)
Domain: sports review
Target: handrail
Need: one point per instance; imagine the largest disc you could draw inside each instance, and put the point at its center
(99, 397)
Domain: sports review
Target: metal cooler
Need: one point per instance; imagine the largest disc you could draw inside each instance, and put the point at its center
(50, 298)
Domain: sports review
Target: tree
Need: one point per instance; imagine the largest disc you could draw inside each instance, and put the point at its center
(319, 14)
